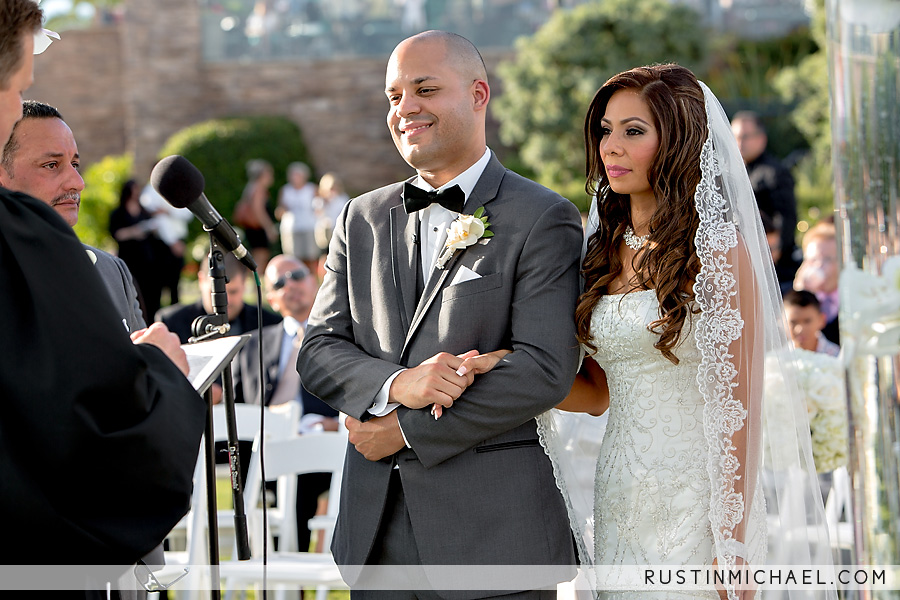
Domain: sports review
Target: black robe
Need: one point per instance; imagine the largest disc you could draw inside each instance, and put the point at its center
(98, 436)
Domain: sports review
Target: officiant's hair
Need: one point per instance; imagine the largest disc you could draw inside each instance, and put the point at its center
(668, 263)
(18, 18)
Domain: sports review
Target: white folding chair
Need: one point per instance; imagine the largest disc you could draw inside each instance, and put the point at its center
(321, 452)
(281, 422)
(838, 513)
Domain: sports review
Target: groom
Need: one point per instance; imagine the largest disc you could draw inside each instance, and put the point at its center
(392, 333)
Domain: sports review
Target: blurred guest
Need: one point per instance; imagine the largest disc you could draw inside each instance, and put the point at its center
(773, 236)
(818, 273)
(806, 321)
(41, 159)
(328, 205)
(298, 220)
(134, 230)
(773, 239)
(252, 211)
(172, 229)
(773, 185)
(290, 290)
(241, 316)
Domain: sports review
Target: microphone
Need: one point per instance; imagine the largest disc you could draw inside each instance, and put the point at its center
(181, 184)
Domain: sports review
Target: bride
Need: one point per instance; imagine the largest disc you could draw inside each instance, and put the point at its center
(680, 310)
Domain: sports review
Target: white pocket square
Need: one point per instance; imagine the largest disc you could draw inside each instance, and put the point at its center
(463, 274)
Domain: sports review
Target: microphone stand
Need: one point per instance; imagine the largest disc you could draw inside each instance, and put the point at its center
(210, 327)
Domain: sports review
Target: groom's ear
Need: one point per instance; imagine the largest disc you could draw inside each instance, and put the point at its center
(481, 94)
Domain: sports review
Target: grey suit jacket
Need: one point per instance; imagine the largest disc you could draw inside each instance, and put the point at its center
(118, 280)
(479, 487)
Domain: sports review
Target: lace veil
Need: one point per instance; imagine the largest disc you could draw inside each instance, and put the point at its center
(763, 484)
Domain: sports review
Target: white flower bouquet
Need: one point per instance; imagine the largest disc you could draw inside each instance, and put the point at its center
(822, 385)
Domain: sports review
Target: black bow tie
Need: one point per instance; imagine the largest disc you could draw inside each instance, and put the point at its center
(415, 198)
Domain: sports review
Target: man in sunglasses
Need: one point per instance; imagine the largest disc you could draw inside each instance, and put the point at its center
(290, 290)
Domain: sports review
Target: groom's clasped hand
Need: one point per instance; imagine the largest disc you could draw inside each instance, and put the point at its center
(441, 379)
(438, 382)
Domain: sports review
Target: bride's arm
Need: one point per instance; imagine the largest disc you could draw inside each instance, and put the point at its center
(589, 393)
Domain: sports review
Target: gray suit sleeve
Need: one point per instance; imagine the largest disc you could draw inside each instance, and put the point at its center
(331, 365)
(135, 315)
(539, 372)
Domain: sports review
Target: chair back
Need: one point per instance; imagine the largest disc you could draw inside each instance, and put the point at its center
(319, 452)
(280, 422)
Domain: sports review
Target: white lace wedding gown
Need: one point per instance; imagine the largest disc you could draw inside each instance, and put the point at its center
(651, 492)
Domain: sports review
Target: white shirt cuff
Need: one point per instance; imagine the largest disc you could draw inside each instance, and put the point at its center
(380, 406)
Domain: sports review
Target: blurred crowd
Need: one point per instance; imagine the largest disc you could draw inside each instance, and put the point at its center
(808, 274)
(151, 233)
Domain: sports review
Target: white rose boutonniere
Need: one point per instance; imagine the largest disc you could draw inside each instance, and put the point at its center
(463, 232)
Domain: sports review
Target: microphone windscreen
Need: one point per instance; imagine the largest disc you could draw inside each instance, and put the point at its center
(177, 180)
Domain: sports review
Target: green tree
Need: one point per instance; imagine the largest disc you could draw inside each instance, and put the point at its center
(220, 149)
(102, 183)
(742, 72)
(81, 14)
(805, 86)
(549, 85)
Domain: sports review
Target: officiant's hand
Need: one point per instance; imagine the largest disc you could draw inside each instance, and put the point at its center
(160, 336)
(376, 438)
(437, 380)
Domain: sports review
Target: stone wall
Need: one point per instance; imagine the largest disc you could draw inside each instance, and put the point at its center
(129, 86)
(82, 77)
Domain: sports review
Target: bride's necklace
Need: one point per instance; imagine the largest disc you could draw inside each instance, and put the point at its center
(632, 241)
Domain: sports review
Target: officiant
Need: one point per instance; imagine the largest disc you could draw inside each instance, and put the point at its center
(86, 409)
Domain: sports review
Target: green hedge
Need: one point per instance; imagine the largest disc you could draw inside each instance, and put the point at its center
(102, 185)
(220, 149)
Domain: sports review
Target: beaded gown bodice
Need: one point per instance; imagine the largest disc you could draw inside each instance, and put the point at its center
(652, 489)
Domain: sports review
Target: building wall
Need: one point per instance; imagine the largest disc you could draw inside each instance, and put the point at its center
(129, 86)
(79, 77)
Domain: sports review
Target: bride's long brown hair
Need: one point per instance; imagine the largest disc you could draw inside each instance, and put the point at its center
(668, 262)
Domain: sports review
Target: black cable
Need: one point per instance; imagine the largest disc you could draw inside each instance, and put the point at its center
(261, 439)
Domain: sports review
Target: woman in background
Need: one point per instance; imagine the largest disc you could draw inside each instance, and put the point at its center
(298, 219)
(252, 211)
(134, 230)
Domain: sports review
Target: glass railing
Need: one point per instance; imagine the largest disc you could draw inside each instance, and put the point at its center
(320, 29)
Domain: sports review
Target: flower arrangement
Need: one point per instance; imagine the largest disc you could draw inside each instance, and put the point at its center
(821, 383)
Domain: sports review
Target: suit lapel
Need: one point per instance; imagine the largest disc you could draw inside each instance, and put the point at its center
(404, 261)
(485, 190)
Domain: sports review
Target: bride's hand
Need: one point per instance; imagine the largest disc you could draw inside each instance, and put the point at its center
(476, 364)
(482, 363)
(744, 593)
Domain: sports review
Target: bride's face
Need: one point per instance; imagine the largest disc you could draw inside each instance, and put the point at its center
(629, 144)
